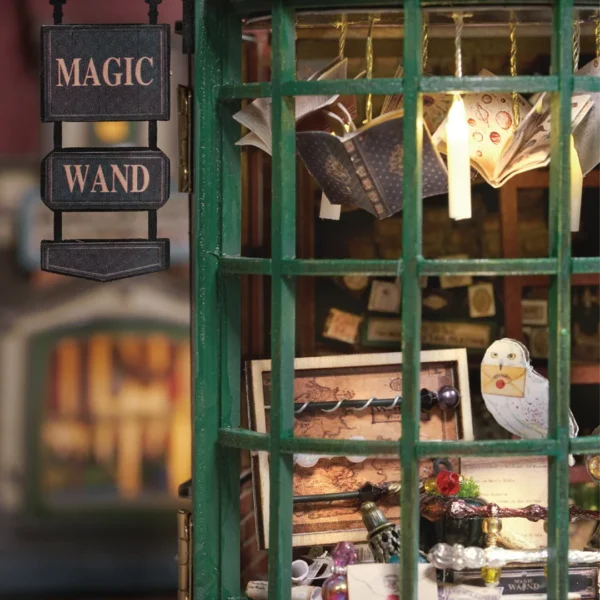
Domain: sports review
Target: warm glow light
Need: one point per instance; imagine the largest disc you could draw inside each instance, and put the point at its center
(459, 165)
(576, 188)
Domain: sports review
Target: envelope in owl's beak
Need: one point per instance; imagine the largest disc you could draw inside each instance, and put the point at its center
(508, 381)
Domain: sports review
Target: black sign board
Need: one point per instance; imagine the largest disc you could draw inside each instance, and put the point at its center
(110, 179)
(105, 260)
(105, 72)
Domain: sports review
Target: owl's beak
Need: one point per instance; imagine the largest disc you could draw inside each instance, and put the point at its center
(500, 366)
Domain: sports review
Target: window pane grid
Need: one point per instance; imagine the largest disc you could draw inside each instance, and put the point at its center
(217, 299)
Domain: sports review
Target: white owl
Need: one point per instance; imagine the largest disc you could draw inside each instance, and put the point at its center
(514, 393)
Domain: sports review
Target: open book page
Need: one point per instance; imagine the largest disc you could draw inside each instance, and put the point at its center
(393, 102)
(490, 118)
(257, 115)
(435, 106)
(530, 148)
(257, 118)
(337, 69)
(587, 133)
(252, 139)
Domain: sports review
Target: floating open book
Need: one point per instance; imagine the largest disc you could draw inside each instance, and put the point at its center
(257, 115)
(364, 168)
(496, 150)
(587, 133)
(435, 106)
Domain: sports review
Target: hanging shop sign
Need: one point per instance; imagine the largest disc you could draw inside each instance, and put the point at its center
(105, 72)
(105, 180)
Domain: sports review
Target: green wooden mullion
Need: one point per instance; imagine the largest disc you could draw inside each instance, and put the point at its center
(244, 439)
(585, 445)
(231, 236)
(488, 448)
(391, 85)
(245, 91)
(249, 8)
(586, 83)
(251, 440)
(588, 264)
(474, 83)
(560, 302)
(283, 244)
(206, 358)
(412, 221)
(236, 265)
(242, 265)
(490, 266)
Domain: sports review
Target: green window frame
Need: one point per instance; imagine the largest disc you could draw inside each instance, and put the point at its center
(217, 265)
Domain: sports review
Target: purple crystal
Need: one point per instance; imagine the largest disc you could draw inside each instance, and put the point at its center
(344, 554)
(335, 588)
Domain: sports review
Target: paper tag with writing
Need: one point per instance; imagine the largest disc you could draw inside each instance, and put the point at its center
(381, 582)
(329, 210)
(385, 296)
(468, 592)
(513, 483)
(342, 326)
(481, 300)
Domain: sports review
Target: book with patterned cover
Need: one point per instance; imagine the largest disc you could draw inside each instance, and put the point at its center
(365, 169)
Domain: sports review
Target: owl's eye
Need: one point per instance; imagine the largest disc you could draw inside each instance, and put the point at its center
(494, 355)
(511, 356)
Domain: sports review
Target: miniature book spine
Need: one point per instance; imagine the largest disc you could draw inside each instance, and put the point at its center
(368, 182)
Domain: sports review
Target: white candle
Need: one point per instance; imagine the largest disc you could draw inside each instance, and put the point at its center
(576, 188)
(459, 164)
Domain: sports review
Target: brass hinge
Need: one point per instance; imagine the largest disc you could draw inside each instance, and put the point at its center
(184, 104)
(184, 555)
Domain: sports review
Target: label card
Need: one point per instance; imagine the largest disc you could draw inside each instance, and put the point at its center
(105, 72)
(105, 180)
(382, 582)
(342, 326)
(513, 483)
(385, 297)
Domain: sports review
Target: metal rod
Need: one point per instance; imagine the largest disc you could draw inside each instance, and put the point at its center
(368, 492)
(152, 225)
(429, 399)
(327, 497)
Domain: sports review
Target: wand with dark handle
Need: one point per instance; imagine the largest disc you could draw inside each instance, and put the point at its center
(369, 492)
(446, 397)
(435, 508)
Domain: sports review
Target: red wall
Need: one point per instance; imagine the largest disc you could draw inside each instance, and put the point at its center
(19, 58)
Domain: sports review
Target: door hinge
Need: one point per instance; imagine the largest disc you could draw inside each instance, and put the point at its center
(184, 555)
(184, 105)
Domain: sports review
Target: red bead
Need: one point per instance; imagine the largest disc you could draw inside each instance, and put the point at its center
(448, 483)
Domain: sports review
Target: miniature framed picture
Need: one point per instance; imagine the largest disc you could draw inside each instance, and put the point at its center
(356, 377)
